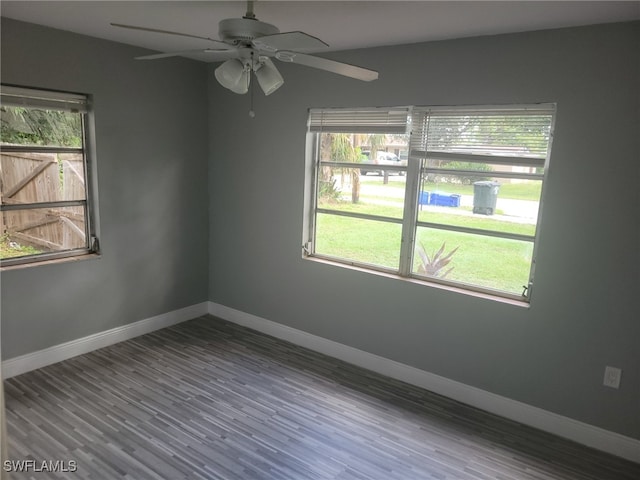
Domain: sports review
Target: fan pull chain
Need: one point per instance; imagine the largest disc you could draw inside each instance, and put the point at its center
(252, 114)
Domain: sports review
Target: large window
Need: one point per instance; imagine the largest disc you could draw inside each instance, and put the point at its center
(444, 195)
(44, 176)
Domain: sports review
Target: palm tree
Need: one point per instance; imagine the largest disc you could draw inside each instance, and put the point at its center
(342, 150)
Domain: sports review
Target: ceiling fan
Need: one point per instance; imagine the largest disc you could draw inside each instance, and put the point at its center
(249, 44)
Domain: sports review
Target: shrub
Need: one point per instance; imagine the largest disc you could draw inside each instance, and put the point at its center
(434, 265)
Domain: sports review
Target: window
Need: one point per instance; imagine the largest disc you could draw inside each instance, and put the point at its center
(444, 195)
(44, 177)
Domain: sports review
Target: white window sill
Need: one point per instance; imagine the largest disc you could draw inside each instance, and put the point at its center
(450, 288)
(54, 261)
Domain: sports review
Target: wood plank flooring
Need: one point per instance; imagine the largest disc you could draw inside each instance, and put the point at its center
(207, 399)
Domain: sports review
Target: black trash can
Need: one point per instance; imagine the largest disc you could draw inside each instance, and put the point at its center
(485, 196)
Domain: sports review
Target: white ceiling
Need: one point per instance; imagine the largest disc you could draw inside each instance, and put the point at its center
(343, 25)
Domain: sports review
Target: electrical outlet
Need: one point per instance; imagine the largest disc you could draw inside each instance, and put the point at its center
(612, 377)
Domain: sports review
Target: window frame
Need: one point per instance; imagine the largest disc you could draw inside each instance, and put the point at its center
(14, 95)
(415, 169)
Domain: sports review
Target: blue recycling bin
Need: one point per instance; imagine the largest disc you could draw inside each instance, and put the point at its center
(444, 199)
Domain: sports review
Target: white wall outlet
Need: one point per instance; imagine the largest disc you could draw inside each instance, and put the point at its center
(612, 377)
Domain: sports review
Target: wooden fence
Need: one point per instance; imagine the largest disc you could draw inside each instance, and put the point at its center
(34, 177)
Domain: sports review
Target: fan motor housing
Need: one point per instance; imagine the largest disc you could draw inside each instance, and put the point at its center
(241, 30)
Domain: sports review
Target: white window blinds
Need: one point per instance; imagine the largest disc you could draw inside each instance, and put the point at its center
(514, 135)
(26, 97)
(366, 120)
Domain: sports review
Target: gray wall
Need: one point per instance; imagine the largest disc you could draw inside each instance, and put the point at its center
(585, 312)
(151, 128)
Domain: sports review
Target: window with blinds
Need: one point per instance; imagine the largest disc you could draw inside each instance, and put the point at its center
(447, 195)
(363, 120)
(45, 179)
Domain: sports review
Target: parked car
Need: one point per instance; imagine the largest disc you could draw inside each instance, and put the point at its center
(382, 158)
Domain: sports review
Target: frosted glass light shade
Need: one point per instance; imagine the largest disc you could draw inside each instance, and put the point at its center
(269, 77)
(233, 75)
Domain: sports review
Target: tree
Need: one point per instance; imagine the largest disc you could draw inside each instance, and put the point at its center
(32, 126)
(342, 150)
(327, 190)
(527, 133)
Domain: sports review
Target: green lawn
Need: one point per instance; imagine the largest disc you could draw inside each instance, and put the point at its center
(367, 208)
(429, 215)
(495, 263)
(490, 262)
(514, 191)
(365, 241)
(529, 190)
(477, 221)
(7, 251)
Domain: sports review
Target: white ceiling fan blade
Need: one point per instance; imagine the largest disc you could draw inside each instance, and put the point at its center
(340, 68)
(156, 56)
(289, 41)
(155, 30)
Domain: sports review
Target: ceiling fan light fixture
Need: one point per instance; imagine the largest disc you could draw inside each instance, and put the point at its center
(268, 76)
(247, 45)
(233, 75)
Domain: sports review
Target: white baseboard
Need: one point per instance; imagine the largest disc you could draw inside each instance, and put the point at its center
(42, 358)
(580, 432)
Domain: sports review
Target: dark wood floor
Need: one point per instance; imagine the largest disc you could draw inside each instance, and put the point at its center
(207, 399)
